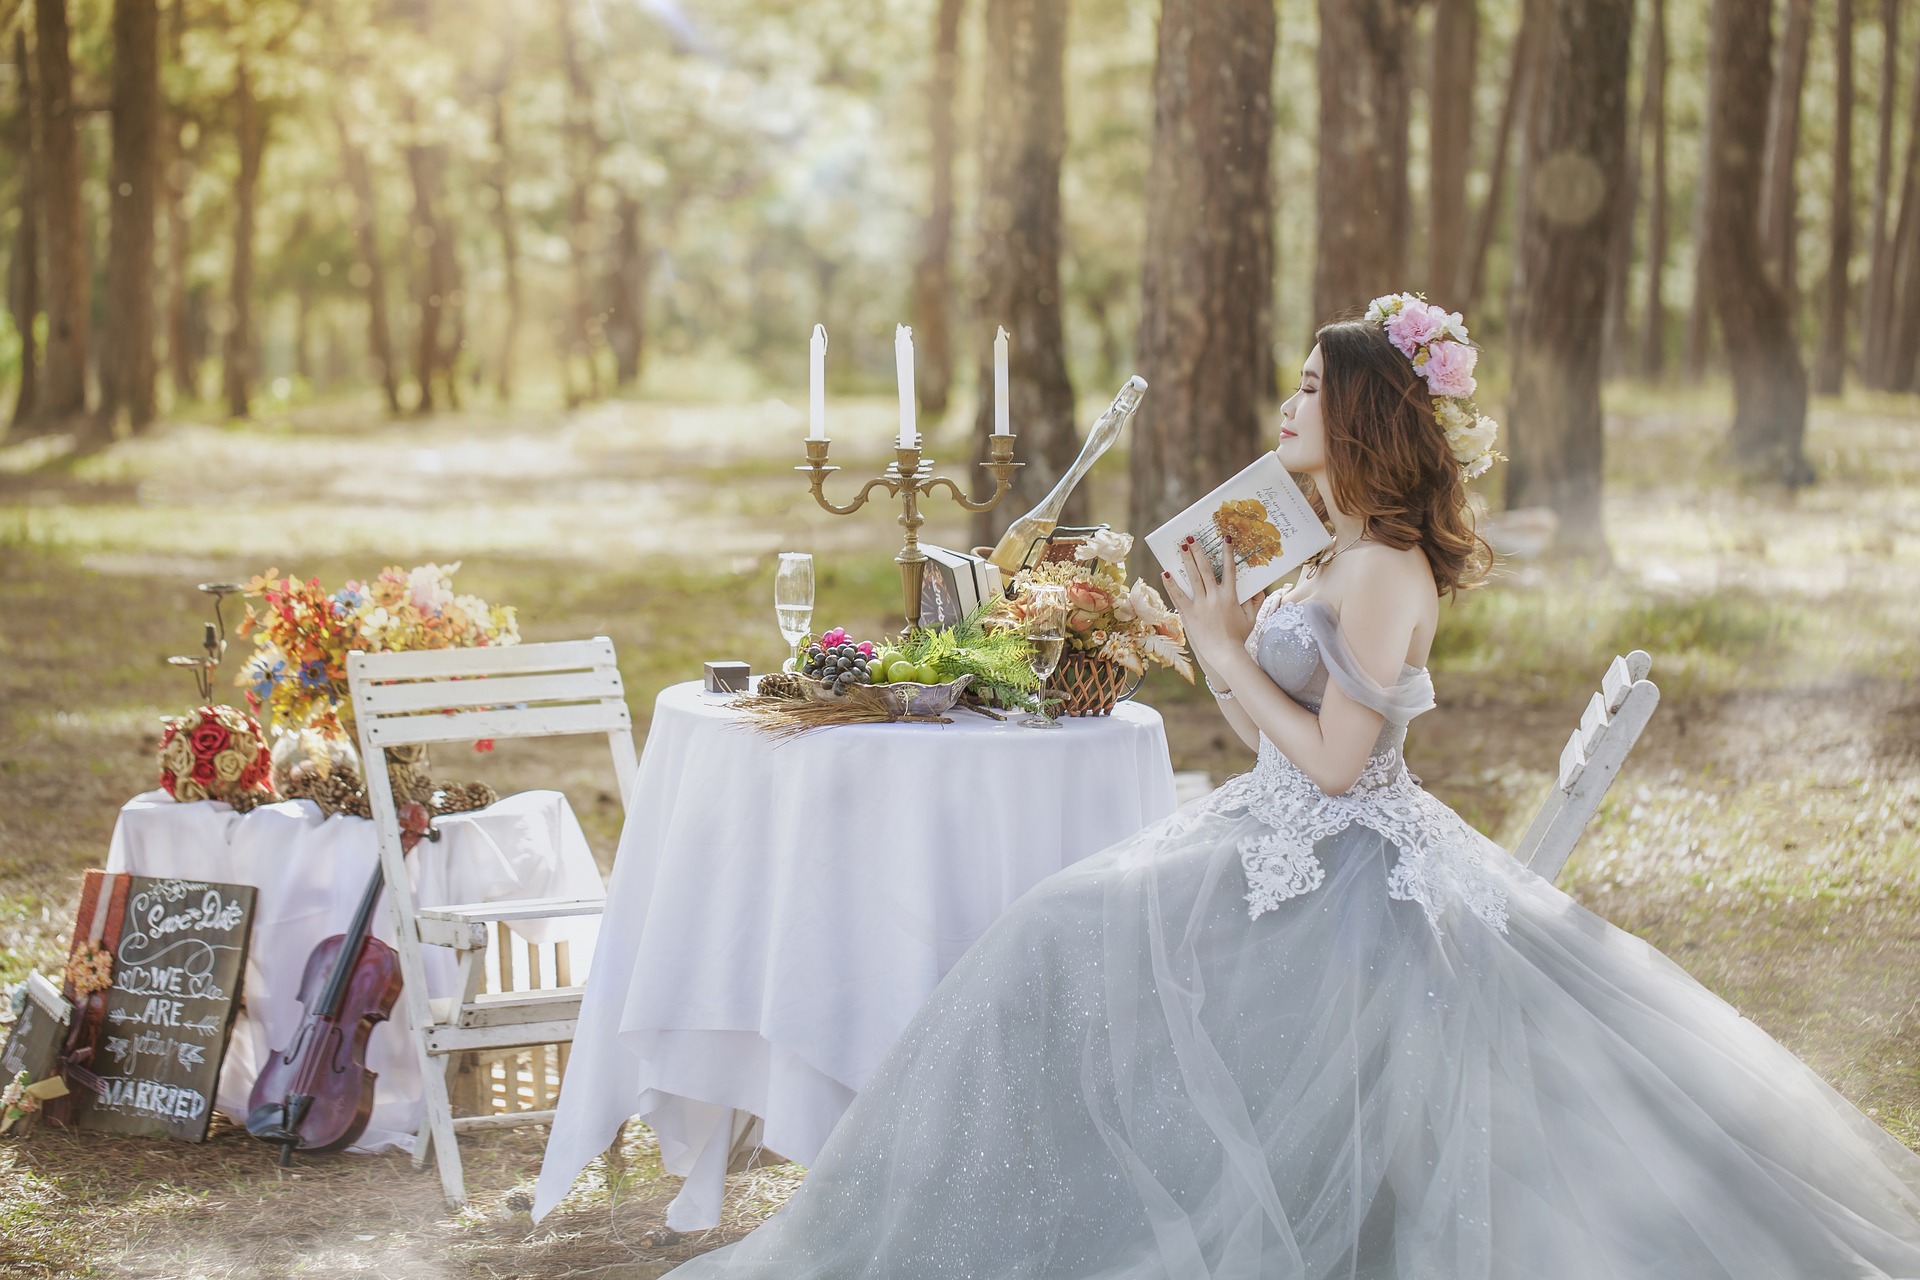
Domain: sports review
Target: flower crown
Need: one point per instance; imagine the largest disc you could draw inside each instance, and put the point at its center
(1436, 342)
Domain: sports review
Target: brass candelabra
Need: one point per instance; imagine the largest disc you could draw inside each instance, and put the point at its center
(909, 477)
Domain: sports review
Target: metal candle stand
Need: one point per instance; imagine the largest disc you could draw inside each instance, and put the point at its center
(213, 640)
(907, 478)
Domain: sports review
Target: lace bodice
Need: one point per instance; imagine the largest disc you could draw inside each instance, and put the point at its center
(1441, 858)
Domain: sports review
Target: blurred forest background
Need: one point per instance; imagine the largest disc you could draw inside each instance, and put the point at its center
(242, 204)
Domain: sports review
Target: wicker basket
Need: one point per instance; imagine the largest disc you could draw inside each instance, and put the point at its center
(1090, 686)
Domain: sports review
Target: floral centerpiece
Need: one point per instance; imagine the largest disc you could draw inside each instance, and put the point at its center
(1111, 627)
(297, 675)
(215, 753)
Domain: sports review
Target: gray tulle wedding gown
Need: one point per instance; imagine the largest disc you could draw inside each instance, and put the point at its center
(1281, 1034)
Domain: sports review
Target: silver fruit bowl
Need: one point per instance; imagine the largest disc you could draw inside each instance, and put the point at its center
(905, 698)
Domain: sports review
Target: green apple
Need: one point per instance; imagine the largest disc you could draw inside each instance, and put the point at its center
(925, 674)
(900, 669)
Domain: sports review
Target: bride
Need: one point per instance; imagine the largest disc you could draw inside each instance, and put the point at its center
(1314, 1025)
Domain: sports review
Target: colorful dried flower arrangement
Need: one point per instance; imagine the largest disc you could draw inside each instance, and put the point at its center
(302, 635)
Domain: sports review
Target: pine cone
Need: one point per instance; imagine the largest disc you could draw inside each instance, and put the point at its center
(337, 792)
(407, 772)
(463, 797)
(780, 684)
(248, 801)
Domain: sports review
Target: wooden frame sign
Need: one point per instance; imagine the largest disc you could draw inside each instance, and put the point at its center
(158, 1034)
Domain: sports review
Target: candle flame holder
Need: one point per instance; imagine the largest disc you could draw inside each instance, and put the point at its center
(909, 477)
(213, 640)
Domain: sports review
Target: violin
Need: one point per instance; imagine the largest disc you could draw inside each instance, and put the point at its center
(317, 1094)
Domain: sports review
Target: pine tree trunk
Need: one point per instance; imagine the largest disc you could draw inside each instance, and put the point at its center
(1830, 364)
(437, 276)
(509, 236)
(1576, 145)
(583, 160)
(250, 134)
(932, 306)
(1778, 223)
(63, 387)
(1879, 295)
(1520, 76)
(1023, 135)
(372, 273)
(1653, 323)
(1620, 248)
(1455, 39)
(1769, 382)
(23, 264)
(1903, 304)
(1361, 188)
(133, 181)
(626, 316)
(1206, 283)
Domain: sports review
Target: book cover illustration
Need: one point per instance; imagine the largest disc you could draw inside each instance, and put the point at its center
(1273, 527)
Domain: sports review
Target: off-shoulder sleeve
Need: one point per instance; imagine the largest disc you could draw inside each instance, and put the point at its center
(1399, 703)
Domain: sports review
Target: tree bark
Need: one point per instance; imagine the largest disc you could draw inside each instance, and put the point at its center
(1778, 223)
(500, 178)
(1361, 192)
(1576, 145)
(1878, 315)
(23, 264)
(1206, 284)
(63, 388)
(1653, 323)
(133, 183)
(437, 274)
(250, 133)
(1519, 82)
(932, 306)
(627, 314)
(1830, 363)
(1903, 327)
(1023, 135)
(177, 173)
(1769, 382)
(1455, 39)
(583, 160)
(373, 273)
(1620, 247)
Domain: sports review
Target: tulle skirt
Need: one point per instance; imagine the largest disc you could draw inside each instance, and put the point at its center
(1128, 1077)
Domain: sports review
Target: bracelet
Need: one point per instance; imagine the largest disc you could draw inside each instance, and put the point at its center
(1223, 695)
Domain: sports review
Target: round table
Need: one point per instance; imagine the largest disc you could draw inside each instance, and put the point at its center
(780, 908)
(311, 870)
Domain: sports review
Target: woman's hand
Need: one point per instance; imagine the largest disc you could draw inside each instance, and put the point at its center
(1217, 624)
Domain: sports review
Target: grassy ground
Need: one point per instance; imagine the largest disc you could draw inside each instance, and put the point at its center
(1766, 832)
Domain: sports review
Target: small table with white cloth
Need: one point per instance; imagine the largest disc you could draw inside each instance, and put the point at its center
(311, 871)
(780, 908)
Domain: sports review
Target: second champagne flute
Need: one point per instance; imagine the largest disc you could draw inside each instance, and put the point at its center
(793, 602)
(1046, 637)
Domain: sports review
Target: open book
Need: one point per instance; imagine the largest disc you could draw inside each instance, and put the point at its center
(1274, 530)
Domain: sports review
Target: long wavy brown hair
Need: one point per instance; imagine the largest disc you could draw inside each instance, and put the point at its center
(1388, 462)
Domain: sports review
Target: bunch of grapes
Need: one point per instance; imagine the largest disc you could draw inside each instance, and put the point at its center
(836, 660)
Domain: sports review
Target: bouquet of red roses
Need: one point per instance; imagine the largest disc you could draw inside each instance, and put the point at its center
(215, 753)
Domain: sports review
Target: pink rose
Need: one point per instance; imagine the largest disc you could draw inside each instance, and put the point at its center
(1449, 369)
(1415, 326)
(1084, 595)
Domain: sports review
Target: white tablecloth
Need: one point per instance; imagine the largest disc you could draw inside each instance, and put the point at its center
(780, 909)
(311, 871)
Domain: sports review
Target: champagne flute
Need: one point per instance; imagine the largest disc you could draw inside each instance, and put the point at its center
(793, 602)
(1046, 636)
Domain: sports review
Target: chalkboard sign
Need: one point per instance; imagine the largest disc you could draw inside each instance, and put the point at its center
(178, 958)
(34, 1042)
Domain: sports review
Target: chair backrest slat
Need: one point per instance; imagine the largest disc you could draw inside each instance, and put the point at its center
(487, 691)
(1590, 761)
(492, 660)
(514, 722)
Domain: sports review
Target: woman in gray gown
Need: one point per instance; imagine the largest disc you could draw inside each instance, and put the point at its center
(1314, 1025)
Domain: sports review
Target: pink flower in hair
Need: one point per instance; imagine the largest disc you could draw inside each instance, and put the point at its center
(1449, 369)
(1414, 326)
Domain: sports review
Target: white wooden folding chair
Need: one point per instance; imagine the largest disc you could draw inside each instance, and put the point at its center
(1590, 762)
(462, 695)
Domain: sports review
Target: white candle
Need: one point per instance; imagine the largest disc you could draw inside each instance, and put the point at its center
(1000, 427)
(903, 364)
(817, 385)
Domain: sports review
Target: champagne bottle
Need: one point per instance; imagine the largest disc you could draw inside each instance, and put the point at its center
(1014, 545)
